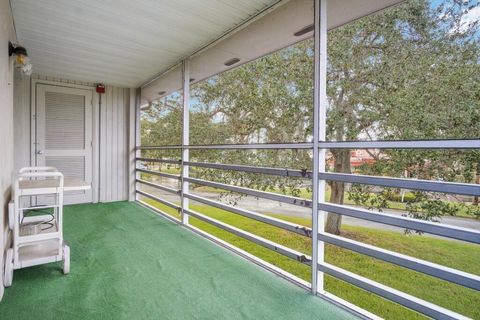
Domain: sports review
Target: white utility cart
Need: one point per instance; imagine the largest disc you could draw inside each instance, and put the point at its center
(38, 238)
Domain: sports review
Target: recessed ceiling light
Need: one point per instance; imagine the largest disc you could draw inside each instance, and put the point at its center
(304, 30)
(231, 62)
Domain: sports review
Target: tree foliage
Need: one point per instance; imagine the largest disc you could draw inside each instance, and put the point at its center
(409, 72)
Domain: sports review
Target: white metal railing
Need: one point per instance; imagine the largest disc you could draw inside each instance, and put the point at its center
(441, 272)
(318, 205)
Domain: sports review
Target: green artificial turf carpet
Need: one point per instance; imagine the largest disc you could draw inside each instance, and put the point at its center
(128, 263)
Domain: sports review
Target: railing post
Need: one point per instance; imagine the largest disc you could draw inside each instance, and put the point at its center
(319, 134)
(185, 138)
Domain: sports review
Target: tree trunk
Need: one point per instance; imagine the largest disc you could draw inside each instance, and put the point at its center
(342, 164)
(334, 221)
(477, 181)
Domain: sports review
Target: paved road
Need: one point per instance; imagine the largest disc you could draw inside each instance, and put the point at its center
(267, 206)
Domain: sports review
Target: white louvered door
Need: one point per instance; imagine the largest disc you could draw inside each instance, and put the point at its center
(64, 134)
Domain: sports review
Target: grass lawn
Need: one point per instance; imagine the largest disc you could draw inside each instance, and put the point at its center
(171, 170)
(465, 257)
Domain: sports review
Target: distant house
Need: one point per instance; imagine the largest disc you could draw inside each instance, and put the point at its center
(357, 158)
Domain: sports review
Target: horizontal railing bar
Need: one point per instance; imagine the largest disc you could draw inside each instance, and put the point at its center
(158, 160)
(404, 299)
(302, 230)
(251, 169)
(159, 212)
(458, 233)
(161, 174)
(158, 186)
(300, 145)
(252, 192)
(162, 201)
(426, 185)
(386, 144)
(305, 259)
(456, 276)
(403, 144)
(158, 147)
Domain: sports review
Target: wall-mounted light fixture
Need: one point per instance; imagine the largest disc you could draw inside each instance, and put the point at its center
(22, 61)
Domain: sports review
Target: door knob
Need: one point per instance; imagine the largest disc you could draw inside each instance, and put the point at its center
(40, 152)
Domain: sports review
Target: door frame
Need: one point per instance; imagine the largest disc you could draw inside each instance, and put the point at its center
(95, 127)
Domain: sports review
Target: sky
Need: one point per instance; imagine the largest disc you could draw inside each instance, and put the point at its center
(471, 16)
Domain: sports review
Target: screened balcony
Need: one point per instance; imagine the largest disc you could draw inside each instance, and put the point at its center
(258, 159)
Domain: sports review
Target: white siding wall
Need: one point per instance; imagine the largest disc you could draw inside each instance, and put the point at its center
(7, 34)
(114, 144)
(21, 120)
(111, 132)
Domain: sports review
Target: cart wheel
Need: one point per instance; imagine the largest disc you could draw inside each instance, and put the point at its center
(66, 259)
(8, 275)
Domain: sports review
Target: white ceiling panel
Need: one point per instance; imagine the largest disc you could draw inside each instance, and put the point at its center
(122, 42)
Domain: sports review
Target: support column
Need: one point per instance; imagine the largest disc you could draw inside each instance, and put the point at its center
(319, 134)
(185, 137)
(133, 141)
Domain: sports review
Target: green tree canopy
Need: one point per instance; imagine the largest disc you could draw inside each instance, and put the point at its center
(409, 72)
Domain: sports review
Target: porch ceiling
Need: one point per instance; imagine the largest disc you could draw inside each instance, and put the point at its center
(121, 42)
(275, 30)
